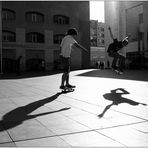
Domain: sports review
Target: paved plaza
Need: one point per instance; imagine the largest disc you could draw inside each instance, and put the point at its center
(105, 110)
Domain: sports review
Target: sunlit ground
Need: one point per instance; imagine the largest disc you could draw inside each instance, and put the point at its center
(110, 109)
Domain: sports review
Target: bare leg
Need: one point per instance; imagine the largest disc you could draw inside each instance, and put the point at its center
(105, 110)
(67, 79)
(64, 78)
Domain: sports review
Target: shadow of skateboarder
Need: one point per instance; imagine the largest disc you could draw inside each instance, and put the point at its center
(116, 97)
(20, 114)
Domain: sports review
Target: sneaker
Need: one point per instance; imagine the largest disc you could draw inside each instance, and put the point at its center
(62, 87)
(117, 71)
(70, 86)
(120, 72)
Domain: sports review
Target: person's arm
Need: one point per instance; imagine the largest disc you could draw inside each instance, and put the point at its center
(111, 34)
(80, 46)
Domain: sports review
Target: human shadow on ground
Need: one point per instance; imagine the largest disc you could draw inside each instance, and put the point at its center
(116, 98)
(20, 114)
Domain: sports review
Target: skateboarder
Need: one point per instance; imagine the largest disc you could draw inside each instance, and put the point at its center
(113, 52)
(68, 43)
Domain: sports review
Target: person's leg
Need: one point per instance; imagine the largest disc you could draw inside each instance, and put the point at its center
(67, 79)
(68, 72)
(121, 62)
(64, 76)
(115, 58)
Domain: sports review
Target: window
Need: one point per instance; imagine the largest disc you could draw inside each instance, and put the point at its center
(8, 36)
(34, 17)
(34, 37)
(102, 29)
(8, 14)
(58, 38)
(61, 19)
(102, 35)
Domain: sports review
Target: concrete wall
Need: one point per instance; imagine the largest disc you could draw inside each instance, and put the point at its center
(84, 27)
(123, 17)
(112, 20)
(145, 25)
(0, 30)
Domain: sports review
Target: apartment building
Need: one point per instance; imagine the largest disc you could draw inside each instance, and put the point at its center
(97, 33)
(34, 30)
(97, 42)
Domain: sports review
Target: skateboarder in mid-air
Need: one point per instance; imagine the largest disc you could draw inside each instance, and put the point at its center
(113, 52)
(68, 43)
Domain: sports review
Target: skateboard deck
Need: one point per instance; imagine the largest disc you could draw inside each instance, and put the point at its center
(67, 89)
(117, 72)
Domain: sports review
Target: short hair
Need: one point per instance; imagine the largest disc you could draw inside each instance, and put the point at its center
(72, 31)
(115, 40)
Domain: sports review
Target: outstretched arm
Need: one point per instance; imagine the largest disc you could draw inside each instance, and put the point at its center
(111, 34)
(121, 89)
(80, 46)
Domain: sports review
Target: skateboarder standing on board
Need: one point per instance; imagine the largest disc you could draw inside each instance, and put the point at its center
(68, 43)
(113, 52)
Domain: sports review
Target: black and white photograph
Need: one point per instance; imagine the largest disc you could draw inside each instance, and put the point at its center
(73, 74)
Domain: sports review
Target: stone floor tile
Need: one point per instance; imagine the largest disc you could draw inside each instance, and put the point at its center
(56, 105)
(44, 142)
(128, 136)
(92, 121)
(120, 118)
(68, 128)
(75, 112)
(20, 101)
(7, 144)
(7, 107)
(89, 139)
(4, 136)
(28, 130)
(142, 127)
(54, 119)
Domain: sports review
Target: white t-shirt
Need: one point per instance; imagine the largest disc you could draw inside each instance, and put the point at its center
(66, 45)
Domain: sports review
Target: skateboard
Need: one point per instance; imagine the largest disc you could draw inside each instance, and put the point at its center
(117, 72)
(68, 89)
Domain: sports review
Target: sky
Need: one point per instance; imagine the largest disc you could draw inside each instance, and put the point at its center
(97, 10)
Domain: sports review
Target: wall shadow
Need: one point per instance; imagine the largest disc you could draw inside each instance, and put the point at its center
(138, 75)
(116, 98)
(24, 75)
(20, 114)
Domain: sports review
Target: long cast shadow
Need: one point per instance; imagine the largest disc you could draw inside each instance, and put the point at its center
(116, 98)
(20, 114)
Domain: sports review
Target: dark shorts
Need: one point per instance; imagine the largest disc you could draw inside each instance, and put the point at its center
(65, 64)
(115, 55)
